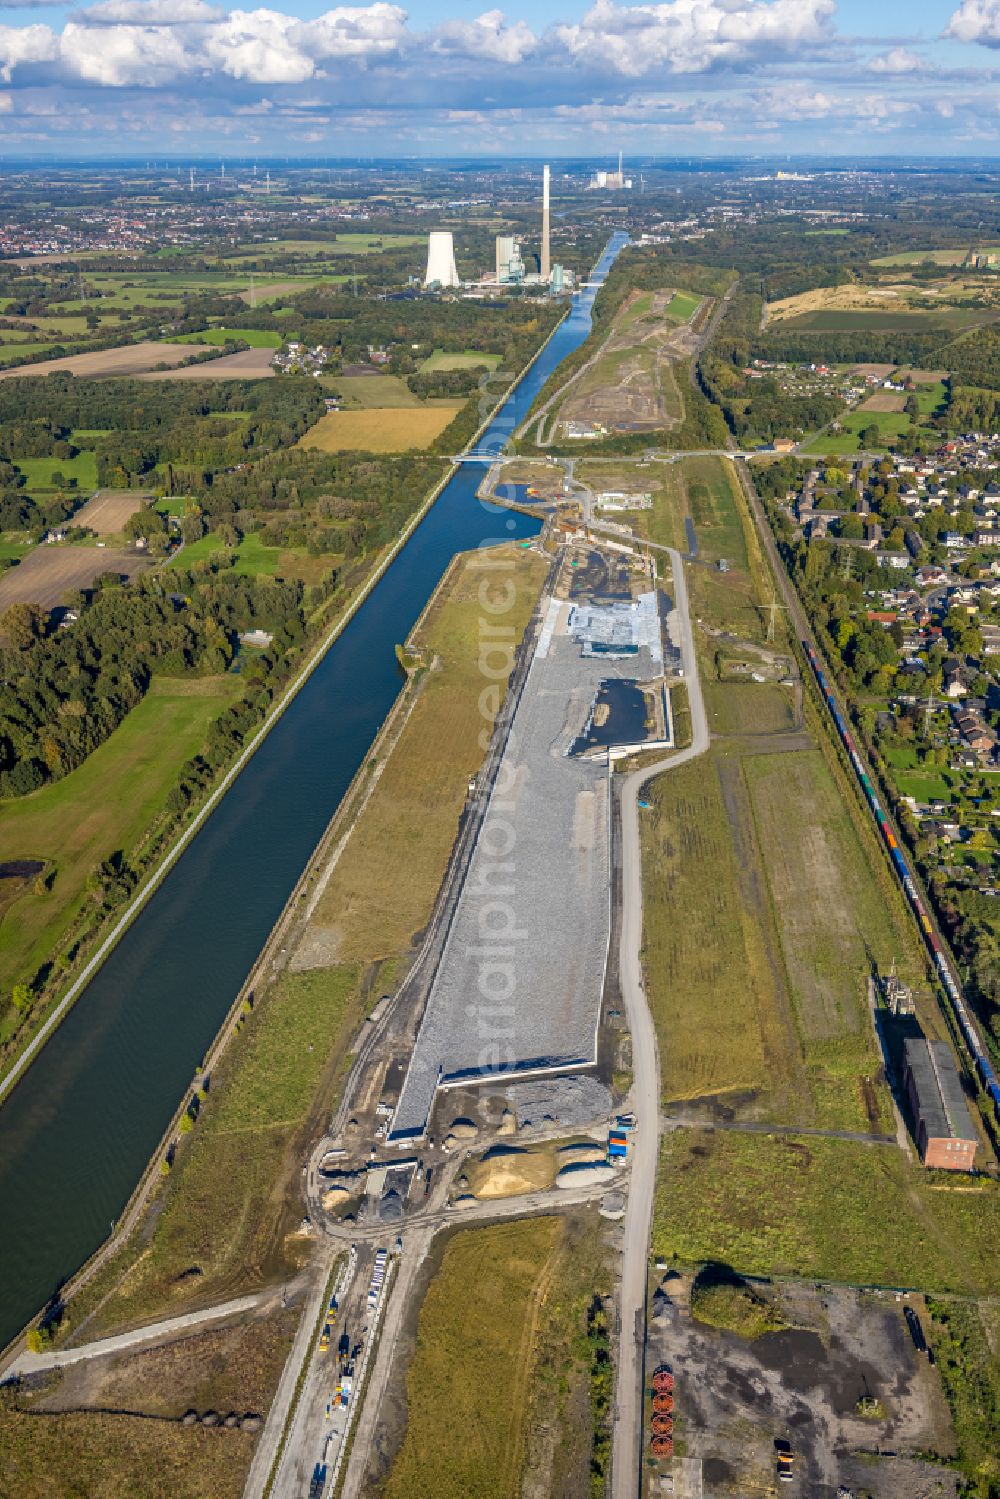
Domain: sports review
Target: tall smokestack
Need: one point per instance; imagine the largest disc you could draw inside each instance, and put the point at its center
(545, 267)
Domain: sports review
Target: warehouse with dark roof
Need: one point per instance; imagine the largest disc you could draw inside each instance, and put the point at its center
(944, 1131)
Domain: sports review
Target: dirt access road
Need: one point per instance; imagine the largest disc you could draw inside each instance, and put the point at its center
(626, 1462)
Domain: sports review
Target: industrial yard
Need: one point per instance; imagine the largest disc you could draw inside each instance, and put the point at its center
(837, 1376)
(520, 981)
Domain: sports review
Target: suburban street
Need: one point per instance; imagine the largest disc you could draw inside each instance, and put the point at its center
(627, 1434)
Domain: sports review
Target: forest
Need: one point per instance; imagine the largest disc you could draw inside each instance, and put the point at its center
(62, 692)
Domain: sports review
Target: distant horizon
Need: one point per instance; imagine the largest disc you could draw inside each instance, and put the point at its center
(582, 159)
(435, 79)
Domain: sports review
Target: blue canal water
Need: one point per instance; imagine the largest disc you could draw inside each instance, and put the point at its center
(77, 1131)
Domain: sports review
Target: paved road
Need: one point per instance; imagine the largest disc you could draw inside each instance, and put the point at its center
(627, 1433)
(38, 1363)
(284, 1395)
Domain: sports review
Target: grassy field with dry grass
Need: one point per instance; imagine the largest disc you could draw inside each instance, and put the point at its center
(379, 430)
(499, 1389)
(759, 994)
(104, 1456)
(830, 1209)
(370, 391)
(233, 1368)
(412, 817)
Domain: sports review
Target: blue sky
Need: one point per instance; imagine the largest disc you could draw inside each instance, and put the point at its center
(447, 77)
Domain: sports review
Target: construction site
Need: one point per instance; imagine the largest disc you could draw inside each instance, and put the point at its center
(519, 985)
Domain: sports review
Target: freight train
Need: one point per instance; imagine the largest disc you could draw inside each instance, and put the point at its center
(984, 1067)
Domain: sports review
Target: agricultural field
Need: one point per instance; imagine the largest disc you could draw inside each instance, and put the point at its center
(824, 1208)
(104, 805)
(934, 257)
(10, 353)
(130, 359)
(893, 306)
(48, 573)
(349, 243)
(446, 359)
(368, 392)
(109, 509)
(249, 364)
(253, 558)
(509, 1375)
(412, 815)
(387, 430)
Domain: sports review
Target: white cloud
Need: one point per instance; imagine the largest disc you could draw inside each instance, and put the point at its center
(150, 12)
(356, 32)
(25, 44)
(897, 60)
(119, 55)
(488, 36)
(105, 45)
(690, 36)
(258, 45)
(976, 21)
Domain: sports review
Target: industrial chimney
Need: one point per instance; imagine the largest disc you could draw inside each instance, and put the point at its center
(441, 270)
(544, 266)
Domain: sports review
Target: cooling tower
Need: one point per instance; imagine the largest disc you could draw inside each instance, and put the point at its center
(441, 260)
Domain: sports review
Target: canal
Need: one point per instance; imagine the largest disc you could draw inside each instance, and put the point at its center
(77, 1131)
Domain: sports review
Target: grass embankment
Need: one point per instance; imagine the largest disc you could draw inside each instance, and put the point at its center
(109, 803)
(411, 820)
(510, 1373)
(233, 1197)
(823, 1208)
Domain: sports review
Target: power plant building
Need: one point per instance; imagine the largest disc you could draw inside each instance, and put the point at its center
(510, 266)
(616, 181)
(441, 269)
